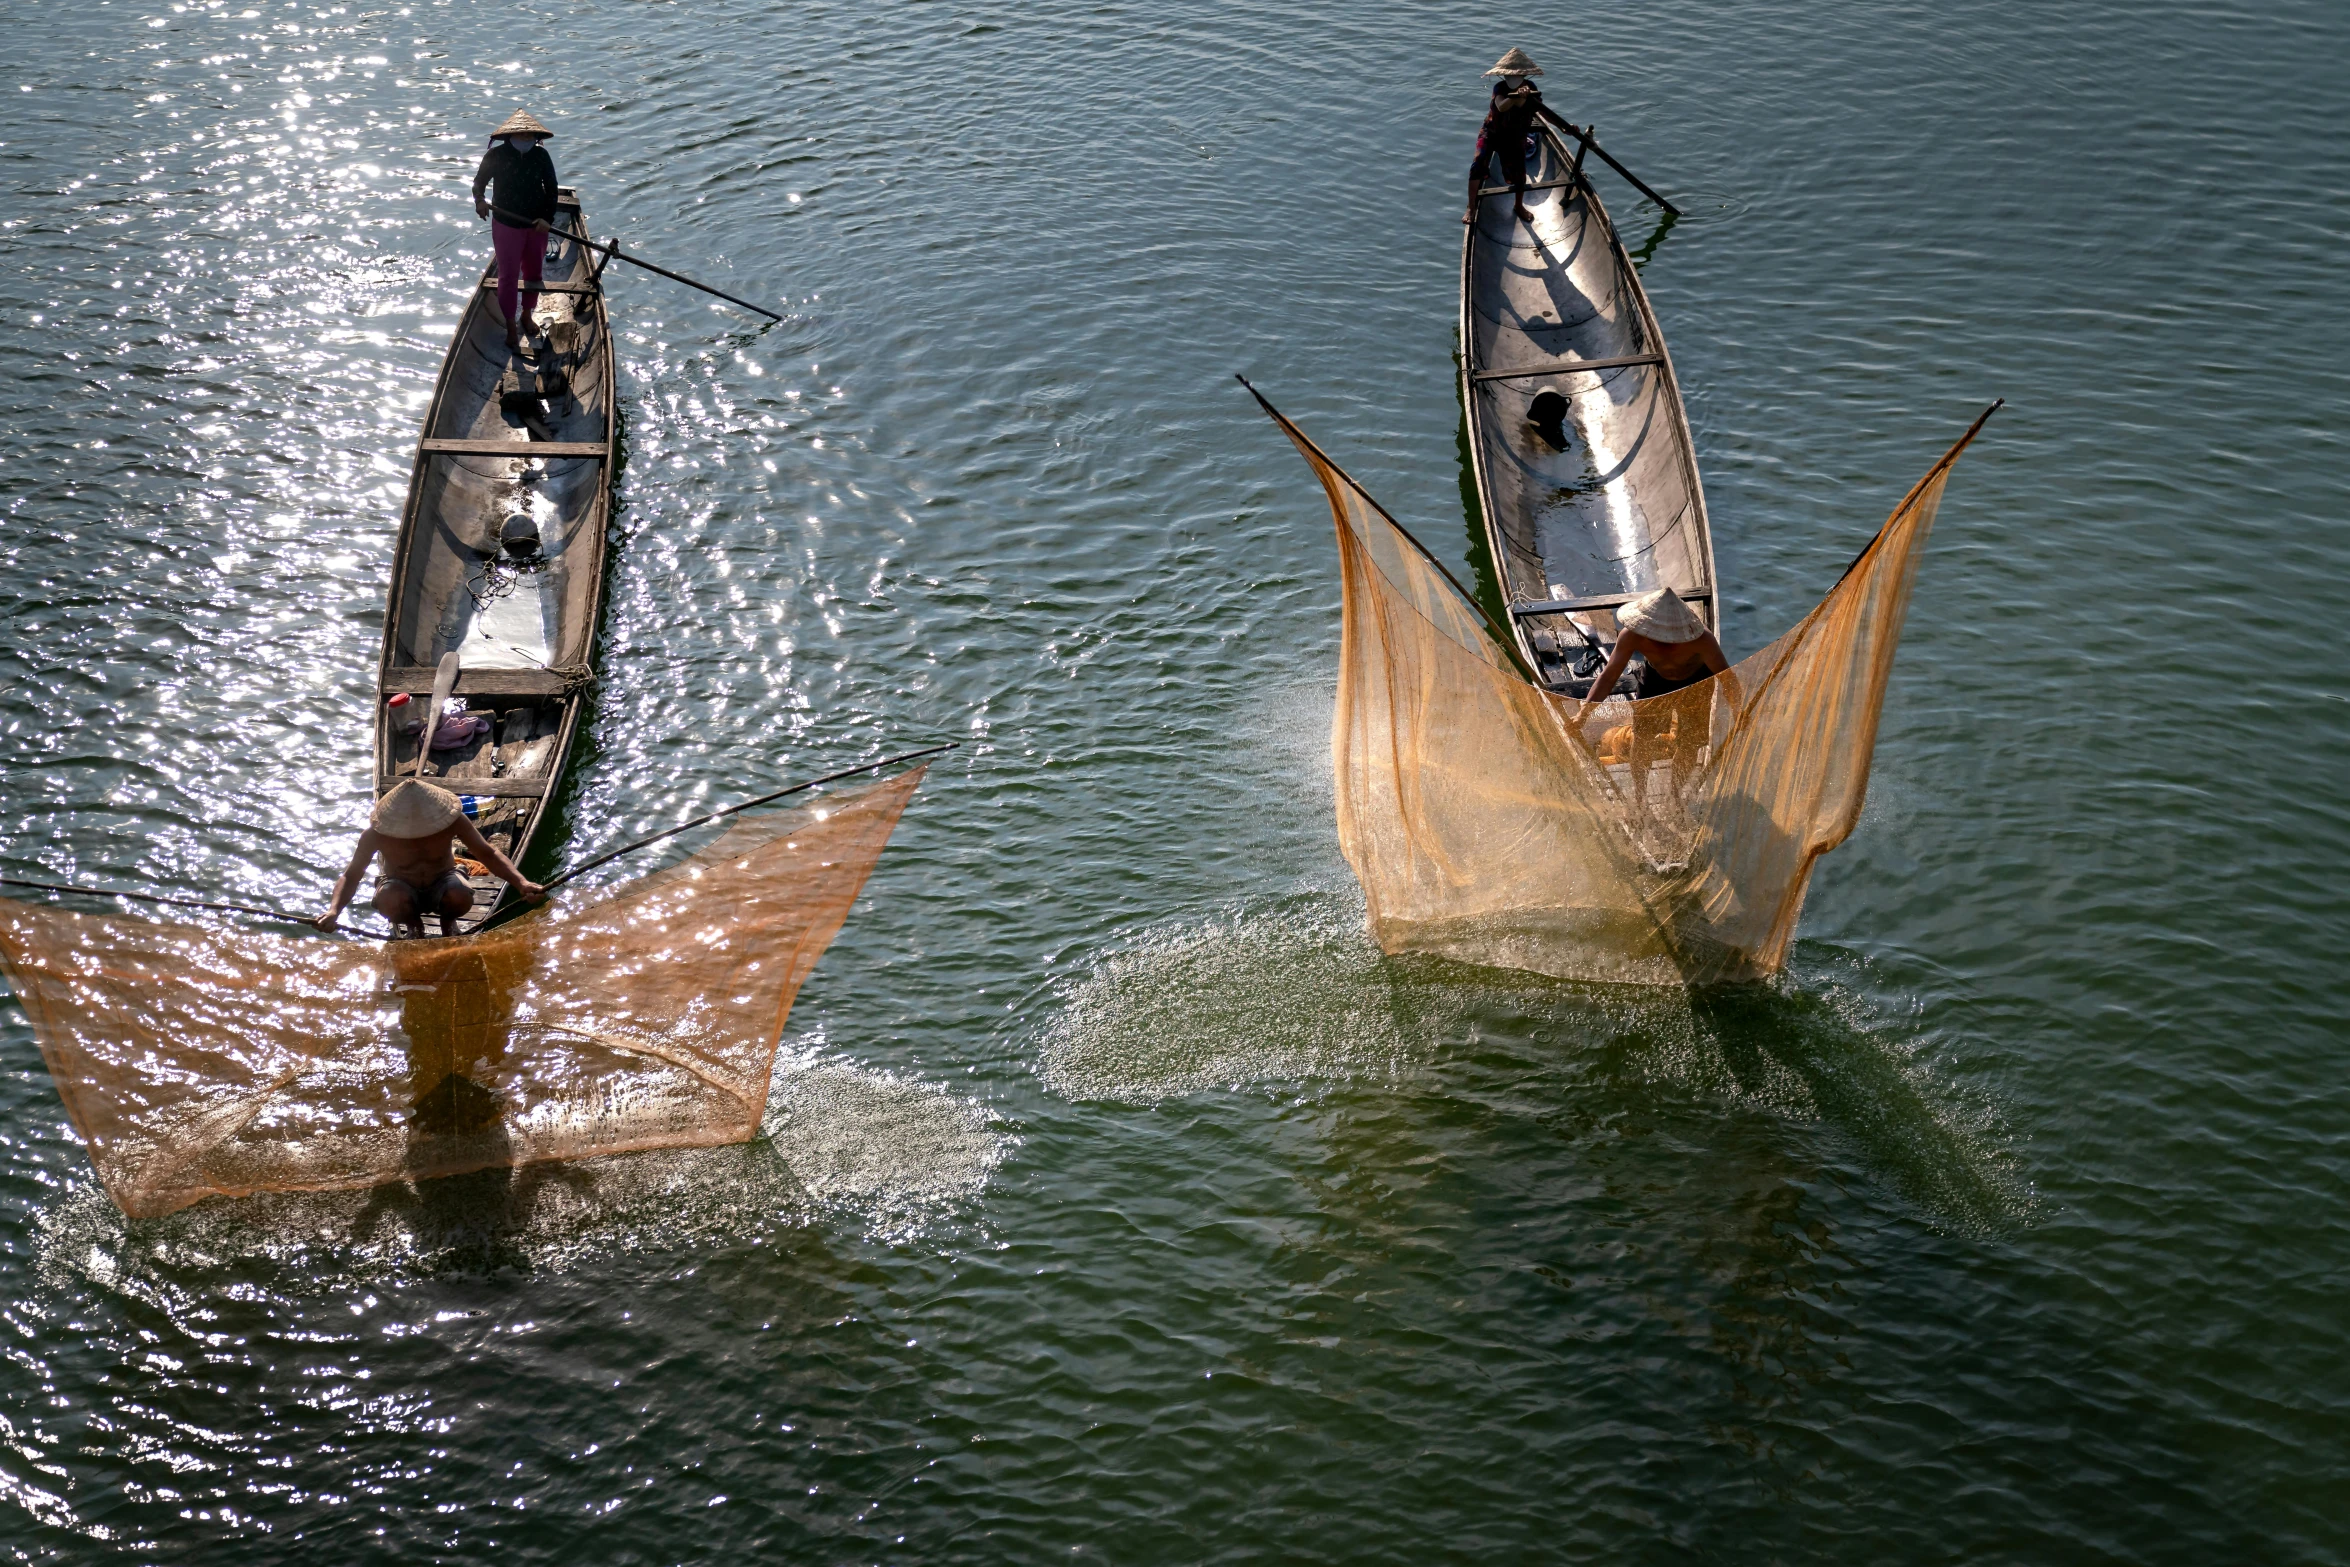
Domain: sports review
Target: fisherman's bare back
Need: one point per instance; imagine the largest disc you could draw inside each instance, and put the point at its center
(420, 874)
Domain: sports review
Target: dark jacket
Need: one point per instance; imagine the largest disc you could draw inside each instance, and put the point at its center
(524, 188)
(1511, 116)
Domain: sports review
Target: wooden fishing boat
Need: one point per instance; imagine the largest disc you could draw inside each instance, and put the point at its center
(1584, 466)
(498, 576)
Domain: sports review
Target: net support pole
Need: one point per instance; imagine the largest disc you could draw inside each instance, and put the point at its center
(1592, 142)
(178, 903)
(612, 252)
(799, 788)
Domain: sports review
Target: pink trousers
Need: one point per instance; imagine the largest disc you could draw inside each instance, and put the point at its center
(522, 262)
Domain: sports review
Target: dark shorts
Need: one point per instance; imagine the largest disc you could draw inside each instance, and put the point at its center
(1683, 722)
(1654, 682)
(427, 900)
(1513, 160)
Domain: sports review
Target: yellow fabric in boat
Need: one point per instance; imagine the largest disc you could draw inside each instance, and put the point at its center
(199, 1061)
(1488, 826)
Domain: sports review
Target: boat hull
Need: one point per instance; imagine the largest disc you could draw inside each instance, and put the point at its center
(521, 621)
(1601, 502)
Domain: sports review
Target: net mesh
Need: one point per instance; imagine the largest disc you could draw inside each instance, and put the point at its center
(201, 1061)
(1666, 841)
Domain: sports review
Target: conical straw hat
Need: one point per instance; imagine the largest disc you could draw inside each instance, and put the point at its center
(1660, 617)
(415, 810)
(523, 123)
(1516, 63)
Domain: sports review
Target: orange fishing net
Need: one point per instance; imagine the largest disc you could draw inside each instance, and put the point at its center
(1666, 841)
(201, 1061)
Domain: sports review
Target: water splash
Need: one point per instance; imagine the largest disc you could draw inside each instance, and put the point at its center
(897, 1155)
(893, 1157)
(1293, 992)
(1297, 993)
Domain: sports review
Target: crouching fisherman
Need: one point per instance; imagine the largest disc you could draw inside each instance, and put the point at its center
(1676, 653)
(414, 828)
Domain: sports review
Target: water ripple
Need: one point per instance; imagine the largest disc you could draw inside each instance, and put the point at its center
(1117, 1197)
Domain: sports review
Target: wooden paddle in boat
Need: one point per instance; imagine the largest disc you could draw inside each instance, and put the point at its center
(444, 686)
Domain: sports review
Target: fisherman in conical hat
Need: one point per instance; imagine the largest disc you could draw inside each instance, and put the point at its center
(520, 179)
(1508, 131)
(413, 829)
(1676, 652)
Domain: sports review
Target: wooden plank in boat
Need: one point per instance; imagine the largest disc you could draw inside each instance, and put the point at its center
(476, 682)
(1568, 367)
(505, 788)
(491, 284)
(441, 446)
(1597, 601)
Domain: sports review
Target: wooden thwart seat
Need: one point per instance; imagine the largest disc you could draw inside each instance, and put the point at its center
(504, 788)
(1598, 601)
(1503, 190)
(1567, 367)
(491, 283)
(443, 446)
(417, 678)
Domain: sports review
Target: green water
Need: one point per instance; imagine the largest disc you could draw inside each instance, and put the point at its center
(1120, 1202)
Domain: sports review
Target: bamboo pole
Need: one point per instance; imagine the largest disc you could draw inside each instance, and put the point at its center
(613, 251)
(1586, 138)
(670, 832)
(183, 903)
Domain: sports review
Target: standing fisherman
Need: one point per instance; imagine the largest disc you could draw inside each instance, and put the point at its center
(524, 193)
(1508, 128)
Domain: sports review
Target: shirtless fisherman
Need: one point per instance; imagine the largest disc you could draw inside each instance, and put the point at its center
(1676, 652)
(412, 829)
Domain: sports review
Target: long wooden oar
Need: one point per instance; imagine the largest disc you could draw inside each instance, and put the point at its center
(184, 903)
(1585, 137)
(553, 882)
(614, 250)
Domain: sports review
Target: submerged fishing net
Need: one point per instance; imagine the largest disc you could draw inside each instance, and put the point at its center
(201, 1061)
(1666, 841)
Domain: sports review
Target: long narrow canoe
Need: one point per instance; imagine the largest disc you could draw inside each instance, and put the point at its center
(1583, 461)
(501, 554)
